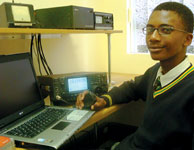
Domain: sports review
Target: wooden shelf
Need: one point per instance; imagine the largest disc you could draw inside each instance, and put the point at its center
(52, 31)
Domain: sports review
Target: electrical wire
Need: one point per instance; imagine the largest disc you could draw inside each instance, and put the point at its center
(42, 56)
(38, 50)
(31, 46)
(38, 56)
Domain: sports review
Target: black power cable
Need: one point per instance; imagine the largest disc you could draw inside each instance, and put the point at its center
(38, 56)
(42, 56)
(38, 50)
(31, 46)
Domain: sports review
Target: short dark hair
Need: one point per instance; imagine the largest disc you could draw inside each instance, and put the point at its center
(183, 11)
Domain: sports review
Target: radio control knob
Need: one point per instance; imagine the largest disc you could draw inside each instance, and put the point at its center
(58, 97)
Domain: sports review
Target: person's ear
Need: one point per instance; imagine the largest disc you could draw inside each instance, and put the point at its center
(188, 39)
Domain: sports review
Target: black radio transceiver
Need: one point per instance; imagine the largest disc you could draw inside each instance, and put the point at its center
(64, 88)
(103, 21)
(65, 17)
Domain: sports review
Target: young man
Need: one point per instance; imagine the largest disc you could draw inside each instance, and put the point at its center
(168, 122)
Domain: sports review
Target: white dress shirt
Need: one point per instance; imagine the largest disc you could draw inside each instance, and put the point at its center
(173, 73)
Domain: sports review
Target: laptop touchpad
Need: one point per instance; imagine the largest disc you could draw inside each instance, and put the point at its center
(61, 125)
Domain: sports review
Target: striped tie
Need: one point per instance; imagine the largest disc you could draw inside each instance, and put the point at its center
(157, 84)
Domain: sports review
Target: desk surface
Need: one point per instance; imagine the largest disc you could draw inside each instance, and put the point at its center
(100, 115)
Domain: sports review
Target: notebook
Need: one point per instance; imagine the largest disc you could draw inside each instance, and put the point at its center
(22, 107)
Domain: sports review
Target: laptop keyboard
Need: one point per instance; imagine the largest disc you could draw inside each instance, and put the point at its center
(39, 123)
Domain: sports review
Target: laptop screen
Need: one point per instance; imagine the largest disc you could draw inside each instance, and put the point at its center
(19, 92)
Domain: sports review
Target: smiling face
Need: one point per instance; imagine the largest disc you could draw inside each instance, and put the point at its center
(167, 48)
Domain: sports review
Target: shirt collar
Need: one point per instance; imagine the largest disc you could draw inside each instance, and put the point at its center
(173, 73)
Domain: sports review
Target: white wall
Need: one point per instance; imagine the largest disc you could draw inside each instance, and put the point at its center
(86, 52)
(71, 52)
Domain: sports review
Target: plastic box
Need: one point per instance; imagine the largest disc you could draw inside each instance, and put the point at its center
(6, 143)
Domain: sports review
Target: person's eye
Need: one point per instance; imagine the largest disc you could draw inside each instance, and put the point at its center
(150, 29)
(165, 30)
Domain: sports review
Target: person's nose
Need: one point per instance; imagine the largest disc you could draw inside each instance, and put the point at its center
(155, 36)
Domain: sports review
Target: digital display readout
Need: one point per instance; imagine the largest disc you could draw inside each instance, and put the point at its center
(77, 84)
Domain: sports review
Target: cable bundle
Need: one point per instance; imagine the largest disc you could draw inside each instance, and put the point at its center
(37, 49)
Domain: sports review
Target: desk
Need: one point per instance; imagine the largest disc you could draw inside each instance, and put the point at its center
(99, 115)
(102, 114)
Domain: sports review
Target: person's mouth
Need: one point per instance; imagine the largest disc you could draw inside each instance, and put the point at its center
(156, 48)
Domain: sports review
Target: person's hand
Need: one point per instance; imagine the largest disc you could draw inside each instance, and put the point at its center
(80, 100)
(99, 104)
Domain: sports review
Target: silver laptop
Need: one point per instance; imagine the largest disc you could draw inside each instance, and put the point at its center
(23, 114)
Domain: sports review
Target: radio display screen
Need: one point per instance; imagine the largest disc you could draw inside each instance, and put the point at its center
(21, 13)
(99, 19)
(77, 84)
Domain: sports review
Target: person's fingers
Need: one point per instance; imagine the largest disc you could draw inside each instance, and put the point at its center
(92, 107)
(80, 100)
(100, 103)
